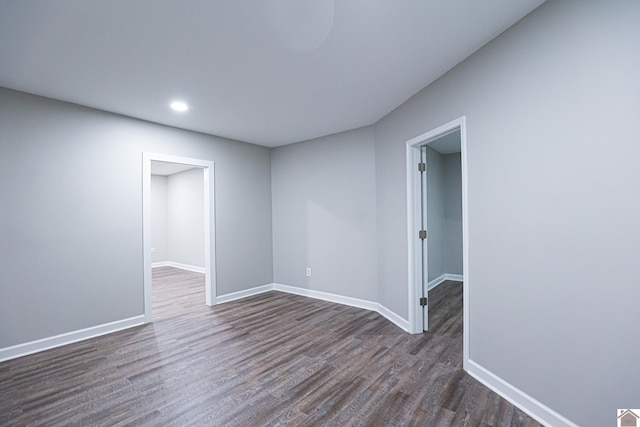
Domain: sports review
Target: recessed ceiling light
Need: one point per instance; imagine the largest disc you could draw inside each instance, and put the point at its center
(179, 106)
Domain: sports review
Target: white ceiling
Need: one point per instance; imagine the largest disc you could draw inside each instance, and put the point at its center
(447, 144)
(166, 168)
(269, 72)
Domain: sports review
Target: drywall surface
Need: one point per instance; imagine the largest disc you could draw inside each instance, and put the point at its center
(324, 214)
(435, 214)
(444, 213)
(452, 244)
(71, 226)
(185, 217)
(159, 219)
(554, 236)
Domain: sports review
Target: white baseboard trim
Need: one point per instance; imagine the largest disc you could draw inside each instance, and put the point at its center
(20, 350)
(187, 267)
(537, 410)
(325, 296)
(160, 264)
(443, 278)
(243, 294)
(393, 318)
(454, 277)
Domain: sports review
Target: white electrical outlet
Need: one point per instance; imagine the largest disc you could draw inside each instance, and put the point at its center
(153, 250)
(308, 271)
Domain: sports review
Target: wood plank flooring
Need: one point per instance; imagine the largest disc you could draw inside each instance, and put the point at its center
(269, 360)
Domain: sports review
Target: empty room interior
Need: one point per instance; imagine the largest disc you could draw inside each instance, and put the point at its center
(319, 213)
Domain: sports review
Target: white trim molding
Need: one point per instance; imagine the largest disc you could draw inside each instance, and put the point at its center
(187, 267)
(244, 294)
(537, 410)
(393, 317)
(350, 301)
(209, 225)
(443, 278)
(415, 262)
(325, 296)
(43, 344)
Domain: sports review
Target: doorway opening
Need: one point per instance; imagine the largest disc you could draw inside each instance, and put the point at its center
(425, 151)
(154, 167)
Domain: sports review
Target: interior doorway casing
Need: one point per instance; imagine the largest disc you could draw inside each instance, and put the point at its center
(414, 218)
(209, 225)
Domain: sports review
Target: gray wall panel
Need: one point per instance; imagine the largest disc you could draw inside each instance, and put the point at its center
(452, 246)
(324, 214)
(185, 217)
(444, 214)
(71, 217)
(159, 240)
(551, 110)
(435, 214)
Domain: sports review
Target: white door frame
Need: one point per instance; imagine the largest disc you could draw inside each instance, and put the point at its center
(413, 225)
(209, 225)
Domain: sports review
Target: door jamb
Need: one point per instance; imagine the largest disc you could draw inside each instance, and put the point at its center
(413, 222)
(209, 225)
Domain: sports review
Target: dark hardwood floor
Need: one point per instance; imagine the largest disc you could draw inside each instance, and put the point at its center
(268, 360)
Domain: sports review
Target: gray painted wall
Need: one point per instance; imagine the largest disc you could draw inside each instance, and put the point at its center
(177, 217)
(159, 240)
(553, 152)
(435, 214)
(71, 217)
(444, 213)
(185, 217)
(324, 214)
(452, 245)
